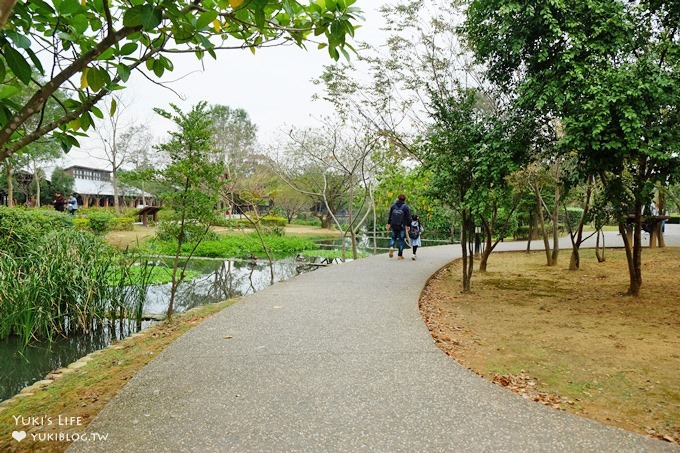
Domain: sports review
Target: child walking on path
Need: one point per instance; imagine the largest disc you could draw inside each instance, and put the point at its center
(414, 234)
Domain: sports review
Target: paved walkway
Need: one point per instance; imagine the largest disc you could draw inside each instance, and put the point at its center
(335, 360)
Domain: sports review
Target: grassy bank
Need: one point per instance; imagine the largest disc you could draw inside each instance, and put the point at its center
(84, 391)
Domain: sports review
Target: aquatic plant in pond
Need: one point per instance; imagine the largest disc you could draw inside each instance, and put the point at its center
(238, 246)
(66, 281)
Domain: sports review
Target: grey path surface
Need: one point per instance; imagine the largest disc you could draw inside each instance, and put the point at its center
(337, 360)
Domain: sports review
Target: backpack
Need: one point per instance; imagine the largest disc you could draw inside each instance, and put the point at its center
(397, 217)
(414, 232)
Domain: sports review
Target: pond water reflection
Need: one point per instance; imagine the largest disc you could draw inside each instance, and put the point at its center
(220, 280)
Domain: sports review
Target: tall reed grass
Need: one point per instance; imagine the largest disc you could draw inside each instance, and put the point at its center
(67, 281)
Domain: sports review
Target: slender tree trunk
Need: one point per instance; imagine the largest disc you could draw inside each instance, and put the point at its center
(466, 241)
(575, 261)
(10, 185)
(532, 226)
(556, 227)
(488, 247)
(37, 190)
(539, 216)
(636, 282)
(662, 211)
(114, 182)
(599, 253)
(175, 265)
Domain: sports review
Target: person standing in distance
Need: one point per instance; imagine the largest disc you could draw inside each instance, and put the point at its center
(398, 223)
(72, 204)
(59, 202)
(414, 234)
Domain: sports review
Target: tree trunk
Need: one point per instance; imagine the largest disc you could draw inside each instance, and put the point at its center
(466, 240)
(539, 216)
(556, 228)
(662, 211)
(532, 225)
(37, 189)
(575, 260)
(114, 182)
(488, 247)
(633, 252)
(10, 185)
(600, 255)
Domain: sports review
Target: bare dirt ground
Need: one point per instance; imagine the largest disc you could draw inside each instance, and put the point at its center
(571, 340)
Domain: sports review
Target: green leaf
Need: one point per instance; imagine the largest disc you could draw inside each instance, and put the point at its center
(8, 91)
(19, 40)
(36, 62)
(145, 15)
(17, 64)
(97, 78)
(114, 104)
(97, 112)
(66, 141)
(123, 72)
(107, 54)
(80, 23)
(205, 19)
(129, 48)
(68, 7)
(158, 68)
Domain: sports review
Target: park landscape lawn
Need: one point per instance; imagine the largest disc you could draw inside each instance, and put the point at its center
(572, 340)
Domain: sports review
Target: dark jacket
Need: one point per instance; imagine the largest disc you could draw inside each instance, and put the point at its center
(59, 203)
(407, 215)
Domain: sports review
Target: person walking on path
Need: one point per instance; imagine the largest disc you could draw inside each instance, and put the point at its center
(414, 234)
(59, 202)
(398, 223)
(72, 204)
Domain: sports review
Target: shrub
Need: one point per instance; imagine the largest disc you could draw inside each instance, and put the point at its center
(81, 224)
(123, 223)
(100, 222)
(170, 231)
(20, 228)
(273, 221)
(307, 222)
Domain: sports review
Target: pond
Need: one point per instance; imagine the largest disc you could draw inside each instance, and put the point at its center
(219, 280)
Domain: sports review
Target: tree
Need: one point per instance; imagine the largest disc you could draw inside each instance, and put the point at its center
(338, 173)
(61, 182)
(119, 143)
(449, 152)
(609, 71)
(93, 46)
(290, 201)
(194, 183)
(234, 135)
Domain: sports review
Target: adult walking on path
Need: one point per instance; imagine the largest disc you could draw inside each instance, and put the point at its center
(399, 223)
(335, 360)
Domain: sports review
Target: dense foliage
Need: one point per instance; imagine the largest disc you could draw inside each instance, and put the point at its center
(94, 46)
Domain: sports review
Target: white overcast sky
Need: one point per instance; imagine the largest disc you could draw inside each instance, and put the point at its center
(274, 86)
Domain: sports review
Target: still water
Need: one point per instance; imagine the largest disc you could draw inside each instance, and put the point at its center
(219, 280)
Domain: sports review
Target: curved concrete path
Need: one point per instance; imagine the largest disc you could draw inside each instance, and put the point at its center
(335, 360)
